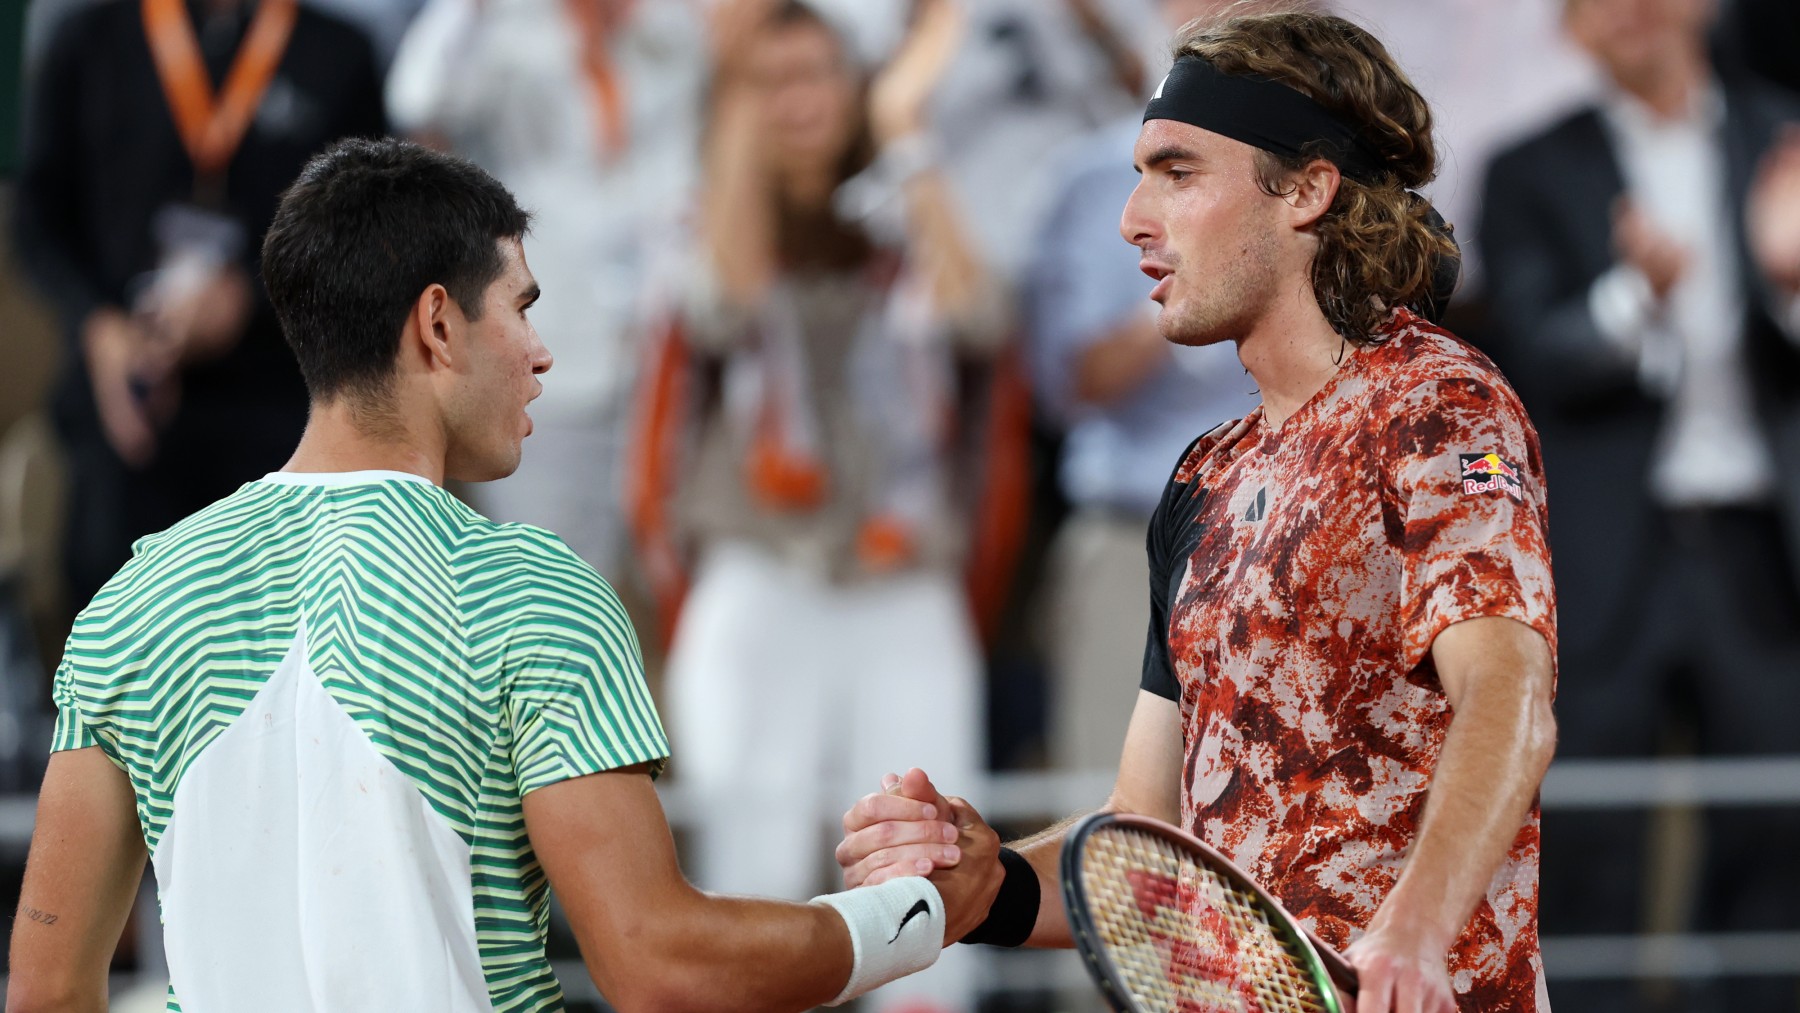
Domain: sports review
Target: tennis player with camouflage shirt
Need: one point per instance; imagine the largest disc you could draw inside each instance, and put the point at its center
(360, 730)
(1348, 676)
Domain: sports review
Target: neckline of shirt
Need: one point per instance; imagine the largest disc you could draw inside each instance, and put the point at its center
(335, 479)
(1270, 438)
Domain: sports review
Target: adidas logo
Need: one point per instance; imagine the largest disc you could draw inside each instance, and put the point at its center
(1258, 508)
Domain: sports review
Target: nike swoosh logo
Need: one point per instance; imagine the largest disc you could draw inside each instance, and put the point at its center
(918, 908)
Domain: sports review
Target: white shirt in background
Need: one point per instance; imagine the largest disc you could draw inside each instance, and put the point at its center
(1492, 72)
(1711, 451)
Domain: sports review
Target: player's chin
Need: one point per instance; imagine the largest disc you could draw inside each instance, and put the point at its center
(1192, 326)
(1178, 327)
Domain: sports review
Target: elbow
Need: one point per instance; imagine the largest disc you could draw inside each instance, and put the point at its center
(642, 985)
(24, 995)
(647, 997)
(663, 986)
(640, 966)
(1541, 735)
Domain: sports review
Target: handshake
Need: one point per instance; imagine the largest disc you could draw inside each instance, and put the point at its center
(910, 829)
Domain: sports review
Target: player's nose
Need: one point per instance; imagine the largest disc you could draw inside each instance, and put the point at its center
(541, 359)
(1135, 224)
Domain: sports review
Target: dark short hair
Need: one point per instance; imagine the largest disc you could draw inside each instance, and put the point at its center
(367, 226)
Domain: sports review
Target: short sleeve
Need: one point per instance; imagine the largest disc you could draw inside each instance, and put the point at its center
(578, 701)
(72, 731)
(1170, 533)
(1464, 482)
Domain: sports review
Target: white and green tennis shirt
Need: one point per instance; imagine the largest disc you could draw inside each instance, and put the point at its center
(330, 693)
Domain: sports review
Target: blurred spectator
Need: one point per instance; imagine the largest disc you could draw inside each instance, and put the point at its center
(1028, 76)
(588, 110)
(382, 21)
(1131, 402)
(143, 196)
(827, 638)
(1492, 72)
(1644, 260)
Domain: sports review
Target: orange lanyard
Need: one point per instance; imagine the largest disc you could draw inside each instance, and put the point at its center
(213, 126)
(604, 86)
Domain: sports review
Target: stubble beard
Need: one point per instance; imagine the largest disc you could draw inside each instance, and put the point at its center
(1228, 307)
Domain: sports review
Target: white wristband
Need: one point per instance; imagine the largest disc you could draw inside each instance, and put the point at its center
(896, 928)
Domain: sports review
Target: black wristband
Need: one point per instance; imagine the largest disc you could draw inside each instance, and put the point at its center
(1014, 914)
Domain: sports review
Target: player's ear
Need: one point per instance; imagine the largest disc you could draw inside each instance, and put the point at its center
(434, 320)
(1314, 187)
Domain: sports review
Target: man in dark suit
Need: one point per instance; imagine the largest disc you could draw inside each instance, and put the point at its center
(159, 135)
(1644, 264)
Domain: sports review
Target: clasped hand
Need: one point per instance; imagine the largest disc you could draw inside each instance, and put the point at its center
(910, 829)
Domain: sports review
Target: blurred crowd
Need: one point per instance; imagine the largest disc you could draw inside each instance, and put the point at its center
(859, 397)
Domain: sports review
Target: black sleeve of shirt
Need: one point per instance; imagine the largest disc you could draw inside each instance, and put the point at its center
(1167, 543)
(47, 225)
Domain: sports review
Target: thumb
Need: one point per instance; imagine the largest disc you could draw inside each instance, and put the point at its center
(917, 785)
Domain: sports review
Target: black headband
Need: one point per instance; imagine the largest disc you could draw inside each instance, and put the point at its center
(1262, 113)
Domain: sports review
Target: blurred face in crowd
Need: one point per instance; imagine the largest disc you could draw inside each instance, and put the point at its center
(496, 364)
(811, 96)
(1209, 234)
(1634, 40)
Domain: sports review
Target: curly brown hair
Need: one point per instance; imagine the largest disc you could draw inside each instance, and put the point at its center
(1377, 249)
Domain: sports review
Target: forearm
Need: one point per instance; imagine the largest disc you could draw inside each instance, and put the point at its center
(957, 278)
(739, 218)
(1494, 757)
(1120, 363)
(1044, 851)
(1148, 785)
(725, 953)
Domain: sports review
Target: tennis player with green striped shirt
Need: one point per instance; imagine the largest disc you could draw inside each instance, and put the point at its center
(362, 731)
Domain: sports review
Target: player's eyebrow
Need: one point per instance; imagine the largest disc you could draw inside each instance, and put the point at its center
(1166, 153)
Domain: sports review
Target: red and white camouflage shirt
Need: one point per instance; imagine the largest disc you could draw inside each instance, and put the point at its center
(1298, 577)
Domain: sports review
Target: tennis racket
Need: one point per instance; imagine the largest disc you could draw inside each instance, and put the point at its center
(1166, 924)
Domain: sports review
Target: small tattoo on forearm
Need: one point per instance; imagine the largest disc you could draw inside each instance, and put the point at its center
(41, 917)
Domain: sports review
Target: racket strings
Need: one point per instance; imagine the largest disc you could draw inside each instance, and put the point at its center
(1184, 937)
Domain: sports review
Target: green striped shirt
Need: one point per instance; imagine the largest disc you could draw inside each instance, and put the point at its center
(480, 661)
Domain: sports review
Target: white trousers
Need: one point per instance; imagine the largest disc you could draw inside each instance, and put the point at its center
(790, 696)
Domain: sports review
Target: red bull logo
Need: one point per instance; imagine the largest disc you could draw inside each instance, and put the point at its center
(1482, 473)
